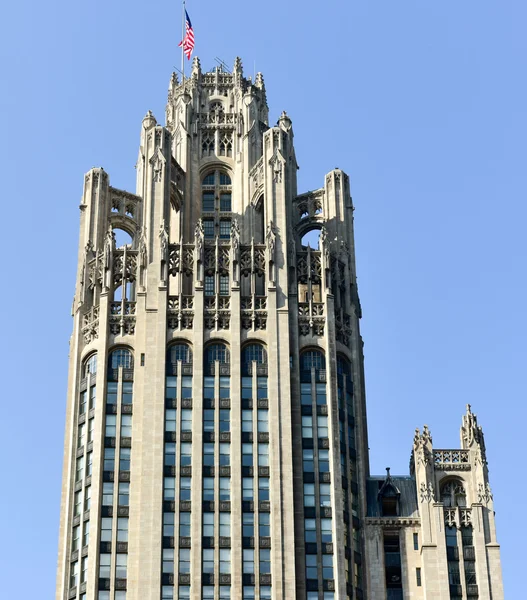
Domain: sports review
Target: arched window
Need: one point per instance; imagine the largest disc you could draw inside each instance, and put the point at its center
(90, 365)
(453, 493)
(312, 359)
(122, 238)
(216, 185)
(179, 352)
(121, 357)
(253, 352)
(217, 352)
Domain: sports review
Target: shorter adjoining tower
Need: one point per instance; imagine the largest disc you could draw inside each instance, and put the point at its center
(433, 535)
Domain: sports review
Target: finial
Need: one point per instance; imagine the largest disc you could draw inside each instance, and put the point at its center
(196, 66)
(259, 81)
(149, 120)
(238, 67)
(388, 476)
(174, 81)
(285, 121)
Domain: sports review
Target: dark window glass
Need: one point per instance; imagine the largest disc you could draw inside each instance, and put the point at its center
(208, 228)
(208, 201)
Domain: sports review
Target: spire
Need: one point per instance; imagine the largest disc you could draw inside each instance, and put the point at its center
(259, 81)
(388, 488)
(174, 82)
(149, 120)
(471, 432)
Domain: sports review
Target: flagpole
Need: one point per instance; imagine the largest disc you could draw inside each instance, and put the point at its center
(183, 46)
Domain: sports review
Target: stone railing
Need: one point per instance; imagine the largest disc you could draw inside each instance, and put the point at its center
(452, 459)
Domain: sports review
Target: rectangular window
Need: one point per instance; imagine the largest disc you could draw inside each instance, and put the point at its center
(122, 529)
(75, 538)
(171, 386)
(265, 561)
(225, 384)
(225, 559)
(225, 455)
(79, 469)
(208, 228)
(106, 529)
(107, 494)
(263, 490)
(208, 489)
(247, 388)
(109, 459)
(127, 392)
(126, 425)
(93, 395)
(111, 392)
(78, 504)
(124, 462)
(184, 592)
(325, 494)
(169, 488)
(209, 285)
(111, 426)
(263, 420)
(105, 561)
(91, 428)
(208, 201)
(248, 524)
(81, 433)
(416, 541)
(225, 420)
(185, 488)
(225, 489)
(207, 592)
(224, 285)
(248, 561)
(309, 494)
(247, 421)
(321, 393)
(186, 419)
(248, 489)
(185, 459)
(184, 524)
(170, 419)
(226, 205)
(167, 593)
(247, 455)
(323, 461)
(248, 593)
(262, 387)
(82, 402)
(87, 498)
(186, 387)
(311, 567)
(308, 463)
(208, 454)
(86, 534)
(208, 524)
(89, 464)
(418, 577)
(263, 455)
(225, 524)
(208, 419)
(121, 565)
(310, 530)
(225, 591)
(307, 426)
(327, 566)
(208, 387)
(168, 524)
(184, 561)
(305, 393)
(325, 530)
(264, 524)
(74, 574)
(322, 426)
(170, 454)
(208, 560)
(168, 560)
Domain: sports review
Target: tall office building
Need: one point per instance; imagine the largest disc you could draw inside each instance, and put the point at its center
(216, 443)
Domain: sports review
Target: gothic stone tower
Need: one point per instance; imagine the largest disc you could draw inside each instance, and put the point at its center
(216, 444)
(215, 430)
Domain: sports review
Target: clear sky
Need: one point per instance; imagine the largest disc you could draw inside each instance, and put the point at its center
(423, 103)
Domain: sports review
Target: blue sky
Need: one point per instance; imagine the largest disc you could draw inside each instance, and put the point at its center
(422, 103)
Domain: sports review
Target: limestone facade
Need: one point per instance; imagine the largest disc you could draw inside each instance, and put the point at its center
(216, 442)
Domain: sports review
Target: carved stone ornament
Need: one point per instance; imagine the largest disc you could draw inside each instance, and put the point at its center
(277, 164)
(235, 236)
(143, 250)
(484, 493)
(472, 433)
(423, 446)
(426, 492)
(157, 161)
(163, 238)
(270, 238)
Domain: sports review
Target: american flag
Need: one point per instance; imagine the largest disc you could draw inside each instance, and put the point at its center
(188, 41)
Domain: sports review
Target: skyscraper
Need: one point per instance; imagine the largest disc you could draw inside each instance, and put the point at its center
(216, 441)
